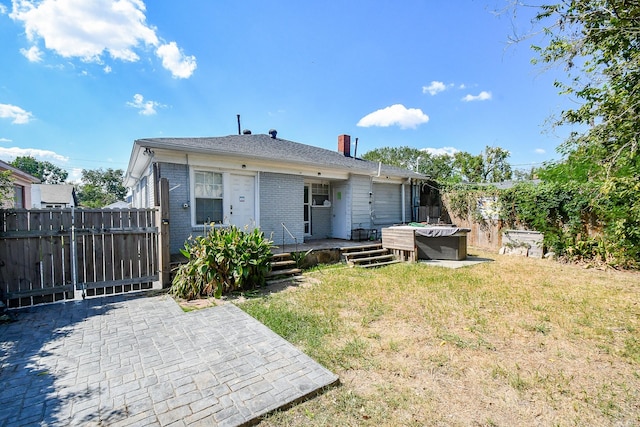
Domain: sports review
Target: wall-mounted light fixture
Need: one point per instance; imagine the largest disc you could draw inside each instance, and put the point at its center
(148, 152)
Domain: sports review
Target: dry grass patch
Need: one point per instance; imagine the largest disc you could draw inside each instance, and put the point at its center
(513, 342)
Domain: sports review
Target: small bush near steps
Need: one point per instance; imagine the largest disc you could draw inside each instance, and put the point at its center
(224, 260)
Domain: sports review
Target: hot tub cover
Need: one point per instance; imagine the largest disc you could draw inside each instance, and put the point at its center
(433, 231)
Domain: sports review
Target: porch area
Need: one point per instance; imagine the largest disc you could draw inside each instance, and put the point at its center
(319, 245)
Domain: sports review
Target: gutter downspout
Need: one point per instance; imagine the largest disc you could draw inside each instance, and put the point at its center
(404, 214)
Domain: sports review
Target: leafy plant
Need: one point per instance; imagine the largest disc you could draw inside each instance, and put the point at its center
(224, 260)
(6, 187)
(299, 257)
(582, 221)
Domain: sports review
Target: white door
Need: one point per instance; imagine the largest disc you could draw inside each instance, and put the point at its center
(242, 203)
(340, 228)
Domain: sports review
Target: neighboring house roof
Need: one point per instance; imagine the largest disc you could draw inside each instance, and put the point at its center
(17, 172)
(57, 194)
(120, 204)
(264, 147)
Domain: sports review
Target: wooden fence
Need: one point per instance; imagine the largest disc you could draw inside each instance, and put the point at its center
(48, 255)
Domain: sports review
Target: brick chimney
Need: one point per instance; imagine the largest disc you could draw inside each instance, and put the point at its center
(344, 145)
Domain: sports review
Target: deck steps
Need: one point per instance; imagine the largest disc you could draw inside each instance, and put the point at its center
(282, 265)
(368, 256)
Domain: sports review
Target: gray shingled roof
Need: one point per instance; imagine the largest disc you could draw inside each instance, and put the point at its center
(57, 193)
(263, 147)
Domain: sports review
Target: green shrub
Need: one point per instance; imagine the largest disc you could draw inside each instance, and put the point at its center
(583, 221)
(224, 260)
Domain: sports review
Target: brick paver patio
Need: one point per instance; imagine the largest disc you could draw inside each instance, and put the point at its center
(142, 361)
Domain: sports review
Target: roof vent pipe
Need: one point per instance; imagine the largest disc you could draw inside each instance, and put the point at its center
(238, 123)
(273, 133)
(246, 132)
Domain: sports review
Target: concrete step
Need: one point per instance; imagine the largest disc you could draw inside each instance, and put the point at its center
(276, 265)
(379, 264)
(372, 259)
(280, 256)
(350, 249)
(362, 254)
(284, 272)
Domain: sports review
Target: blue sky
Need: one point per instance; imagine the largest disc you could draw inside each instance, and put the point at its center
(81, 80)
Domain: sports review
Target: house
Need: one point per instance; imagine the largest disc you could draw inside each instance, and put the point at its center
(22, 183)
(120, 204)
(47, 196)
(293, 192)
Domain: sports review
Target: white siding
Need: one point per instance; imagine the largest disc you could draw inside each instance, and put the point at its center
(387, 203)
(360, 186)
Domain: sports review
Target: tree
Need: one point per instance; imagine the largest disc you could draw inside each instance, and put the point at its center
(438, 167)
(468, 167)
(100, 187)
(6, 188)
(402, 157)
(598, 43)
(525, 174)
(489, 166)
(45, 171)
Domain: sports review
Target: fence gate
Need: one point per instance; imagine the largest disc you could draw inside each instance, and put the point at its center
(49, 255)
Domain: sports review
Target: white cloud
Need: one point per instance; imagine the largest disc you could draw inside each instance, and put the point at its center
(180, 65)
(107, 69)
(147, 108)
(540, 151)
(395, 115)
(90, 29)
(3, 9)
(482, 96)
(13, 152)
(33, 54)
(5, 140)
(434, 88)
(447, 151)
(17, 114)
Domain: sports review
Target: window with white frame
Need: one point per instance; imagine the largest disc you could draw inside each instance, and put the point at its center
(319, 194)
(208, 197)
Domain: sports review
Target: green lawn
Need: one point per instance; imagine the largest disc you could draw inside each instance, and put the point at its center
(512, 342)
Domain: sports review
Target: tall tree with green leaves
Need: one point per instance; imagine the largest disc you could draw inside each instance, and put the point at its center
(45, 171)
(101, 187)
(598, 44)
(489, 166)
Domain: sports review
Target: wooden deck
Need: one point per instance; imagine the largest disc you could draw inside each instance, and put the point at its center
(320, 244)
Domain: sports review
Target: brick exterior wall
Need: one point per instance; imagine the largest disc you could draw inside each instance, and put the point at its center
(281, 198)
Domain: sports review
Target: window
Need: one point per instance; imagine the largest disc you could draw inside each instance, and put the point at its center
(319, 194)
(307, 211)
(208, 195)
(18, 196)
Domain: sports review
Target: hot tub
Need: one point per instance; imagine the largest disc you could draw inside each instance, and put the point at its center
(429, 242)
